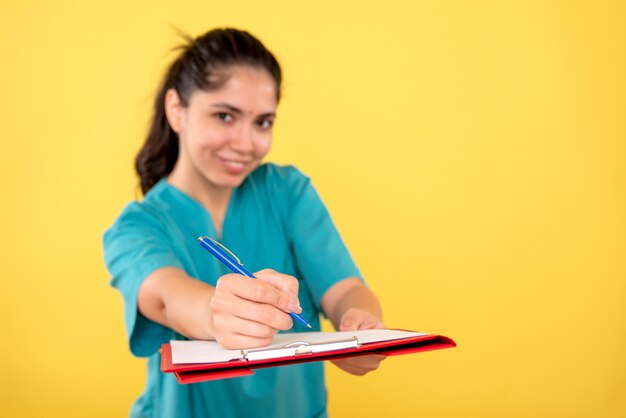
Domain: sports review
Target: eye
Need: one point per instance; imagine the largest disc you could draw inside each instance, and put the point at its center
(224, 116)
(265, 123)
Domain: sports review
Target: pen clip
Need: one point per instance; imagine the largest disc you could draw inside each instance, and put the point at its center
(230, 253)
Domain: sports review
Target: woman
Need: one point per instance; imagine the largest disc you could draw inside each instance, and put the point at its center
(200, 170)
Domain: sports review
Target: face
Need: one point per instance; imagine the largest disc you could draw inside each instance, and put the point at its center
(224, 134)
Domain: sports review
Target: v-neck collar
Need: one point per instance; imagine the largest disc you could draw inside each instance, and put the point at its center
(196, 206)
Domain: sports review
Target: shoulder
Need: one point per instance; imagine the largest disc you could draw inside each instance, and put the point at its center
(147, 213)
(279, 177)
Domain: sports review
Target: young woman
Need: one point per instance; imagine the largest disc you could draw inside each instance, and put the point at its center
(201, 172)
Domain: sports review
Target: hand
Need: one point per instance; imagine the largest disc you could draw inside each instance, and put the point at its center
(247, 313)
(358, 319)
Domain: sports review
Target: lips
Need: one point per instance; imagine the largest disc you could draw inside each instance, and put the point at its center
(234, 166)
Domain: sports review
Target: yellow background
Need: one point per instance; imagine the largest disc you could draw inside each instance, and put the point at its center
(473, 154)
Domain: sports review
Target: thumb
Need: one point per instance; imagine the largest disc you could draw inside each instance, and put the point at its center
(351, 320)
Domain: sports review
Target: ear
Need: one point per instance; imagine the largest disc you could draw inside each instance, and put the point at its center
(174, 111)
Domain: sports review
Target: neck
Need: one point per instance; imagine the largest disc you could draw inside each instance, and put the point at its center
(214, 199)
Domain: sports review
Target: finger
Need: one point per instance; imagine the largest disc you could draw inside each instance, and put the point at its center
(283, 282)
(230, 324)
(232, 341)
(372, 322)
(351, 320)
(256, 291)
(263, 313)
(359, 319)
(360, 365)
(369, 362)
(225, 304)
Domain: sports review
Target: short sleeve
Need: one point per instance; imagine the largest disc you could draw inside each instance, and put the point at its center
(320, 253)
(135, 246)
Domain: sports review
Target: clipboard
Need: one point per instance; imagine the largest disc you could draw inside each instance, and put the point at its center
(246, 361)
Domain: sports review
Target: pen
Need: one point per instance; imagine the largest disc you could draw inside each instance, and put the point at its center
(233, 263)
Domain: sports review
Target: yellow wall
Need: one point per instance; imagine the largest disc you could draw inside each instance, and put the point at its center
(480, 146)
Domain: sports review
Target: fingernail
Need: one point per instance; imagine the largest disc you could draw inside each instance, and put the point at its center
(294, 306)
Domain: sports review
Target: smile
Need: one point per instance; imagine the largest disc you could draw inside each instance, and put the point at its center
(234, 163)
(234, 166)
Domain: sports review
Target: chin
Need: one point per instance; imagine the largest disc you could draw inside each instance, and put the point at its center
(232, 182)
(226, 180)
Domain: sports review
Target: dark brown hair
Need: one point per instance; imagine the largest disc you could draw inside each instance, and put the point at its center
(199, 66)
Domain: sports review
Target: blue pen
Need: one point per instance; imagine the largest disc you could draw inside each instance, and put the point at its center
(217, 250)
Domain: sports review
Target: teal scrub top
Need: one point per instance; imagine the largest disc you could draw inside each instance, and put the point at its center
(276, 220)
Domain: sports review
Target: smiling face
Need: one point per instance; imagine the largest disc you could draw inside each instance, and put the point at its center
(225, 133)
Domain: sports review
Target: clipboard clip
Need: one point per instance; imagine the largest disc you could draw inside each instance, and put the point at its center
(297, 348)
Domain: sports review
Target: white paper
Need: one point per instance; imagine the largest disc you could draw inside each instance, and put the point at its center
(194, 351)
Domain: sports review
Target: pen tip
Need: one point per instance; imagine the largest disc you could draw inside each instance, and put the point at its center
(308, 325)
(199, 238)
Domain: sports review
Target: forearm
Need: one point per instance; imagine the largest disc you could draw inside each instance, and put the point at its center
(177, 301)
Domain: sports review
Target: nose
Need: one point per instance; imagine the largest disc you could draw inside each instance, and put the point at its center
(243, 139)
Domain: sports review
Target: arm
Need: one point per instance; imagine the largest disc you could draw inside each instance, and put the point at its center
(350, 305)
(238, 312)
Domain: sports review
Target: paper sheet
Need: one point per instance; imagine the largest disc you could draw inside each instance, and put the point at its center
(193, 351)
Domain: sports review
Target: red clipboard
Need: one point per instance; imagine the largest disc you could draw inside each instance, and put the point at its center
(201, 372)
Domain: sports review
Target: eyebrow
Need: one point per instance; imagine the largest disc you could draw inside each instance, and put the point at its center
(239, 111)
